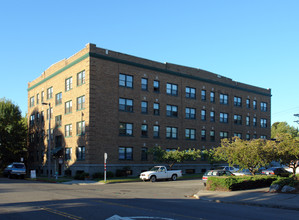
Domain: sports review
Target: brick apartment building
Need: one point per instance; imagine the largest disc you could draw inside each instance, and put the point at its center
(105, 101)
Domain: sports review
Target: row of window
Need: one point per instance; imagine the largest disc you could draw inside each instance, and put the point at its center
(80, 153)
(172, 89)
(58, 97)
(126, 129)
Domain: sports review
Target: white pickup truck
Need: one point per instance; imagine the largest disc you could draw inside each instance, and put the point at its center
(160, 172)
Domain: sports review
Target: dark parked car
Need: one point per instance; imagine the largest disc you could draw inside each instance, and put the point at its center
(215, 173)
(15, 170)
(279, 171)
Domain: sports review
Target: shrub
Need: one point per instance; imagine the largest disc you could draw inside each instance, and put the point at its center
(98, 175)
(110, 174)
(81, 176)
(283, 181)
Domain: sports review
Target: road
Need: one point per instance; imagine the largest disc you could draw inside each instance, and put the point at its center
(22, 199)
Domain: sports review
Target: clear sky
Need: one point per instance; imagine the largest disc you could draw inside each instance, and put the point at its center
(251, 41)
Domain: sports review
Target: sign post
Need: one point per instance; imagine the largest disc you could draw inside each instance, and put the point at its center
(105, 170)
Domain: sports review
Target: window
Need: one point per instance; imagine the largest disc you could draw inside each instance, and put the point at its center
(237, 101)
(172, 89)
(144, 130)
(144, 84)
(239, 135)
(254, 136)
(125, 105)
(263, 137)
(238, 119)
(32, 101)
(58, 141)
(31, 123)
(171, 110)
(50, 93)
(58, 98)
(125, 153)
(247, 103)
(190, 134)
(263, 123)
(203, 135)
(125, 80)
(81, 128)
(254, 103)
(37, 99)
(51, 135)
(223, 117)
(144, 153)
(37, 117)
(223, 134)
(81, 78)
(203, 95)
(125, 129)
(190, 93)
(81, 153)
(212, 97)
(156, 131)
(254, 122)
(263, 106)
(68, 84)
(68, 130)
(144, 107)
(49, 114)
(42, 96)
(68, 107)
(156, 86)
(212, 116)
(42, 116)
(247, 121)
(68, 153)
(156, 109)
(212, 135)
(223, 99)
(58, 120)
(81, 102)
(171, 132)
(247, 137)
(190, 113)
(203, 115)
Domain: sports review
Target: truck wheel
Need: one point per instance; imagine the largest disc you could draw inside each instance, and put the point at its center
(174, 177)
(153, 178)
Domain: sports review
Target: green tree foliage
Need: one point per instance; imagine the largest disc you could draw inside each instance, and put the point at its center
(250, 155)
(209, 155)
(279, 128)
(175, 156)
(13, 133)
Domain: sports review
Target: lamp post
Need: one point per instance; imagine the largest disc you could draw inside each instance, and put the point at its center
(49, 140)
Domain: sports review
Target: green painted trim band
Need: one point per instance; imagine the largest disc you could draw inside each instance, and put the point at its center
(60, 71)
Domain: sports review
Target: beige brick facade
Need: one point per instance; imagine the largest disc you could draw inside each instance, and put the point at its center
(103, 89)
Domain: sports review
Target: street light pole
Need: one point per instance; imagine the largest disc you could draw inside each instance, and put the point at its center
(49, 140)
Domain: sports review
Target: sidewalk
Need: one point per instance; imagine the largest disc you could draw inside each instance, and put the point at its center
(82, 182)
(254, 197)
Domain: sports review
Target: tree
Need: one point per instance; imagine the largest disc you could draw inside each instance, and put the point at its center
(13, 133)
(209, 154)
(279, 128)
(250, 155)
(174, 156)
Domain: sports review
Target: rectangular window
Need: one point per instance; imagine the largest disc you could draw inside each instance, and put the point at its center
(254, 122)
(190, 134)
(68, 84)
(58, 141)
(31, 123)
(212, 97)
(68, 107)
(237, 101)
(156, 131)
(239, 135)
(42, 96)
(68, 153)
(68, 130)
(223, 134)
(144, 153)
(171, 89)
(49, 114)
(263, 106)
(223, 99)
(50, 93)
(156, 86)
(58, 120)
(125, 153)
(203, 135)
(238, 119)
(144, 109)
(212, 116)
(58, 98)
(125, 105)
(263, 123)
(125, 80)
(81, 78)
(144, 131)
(172, 132)
(190, 113)
(263, 137)
(254, 136)
(32, 101)
(171, 110)
(254, 104)
(247, 121)
(81, 153)
(42, 114)
(203, 115)
(203, 95)
(37, 99)
(144, 84)
(81, 102)
(81, 128)
(125, 129)
(190, 92)
(247, 103)
(247, 137)
(223, 117)
(156, 109)
(212, 135)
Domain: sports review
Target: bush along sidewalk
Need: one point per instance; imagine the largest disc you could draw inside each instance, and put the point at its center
(285, 184)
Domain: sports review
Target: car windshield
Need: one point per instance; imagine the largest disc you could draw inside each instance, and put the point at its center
(18, 166)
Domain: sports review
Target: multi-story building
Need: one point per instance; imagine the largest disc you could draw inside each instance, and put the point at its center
(108, 102)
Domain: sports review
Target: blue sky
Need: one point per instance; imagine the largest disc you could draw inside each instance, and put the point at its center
(251, 41)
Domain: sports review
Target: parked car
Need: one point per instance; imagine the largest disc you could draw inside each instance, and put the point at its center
(227, 168)
(15, 170)
(279, 171)
(160, 172)
(242, 172)
(215, 173)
